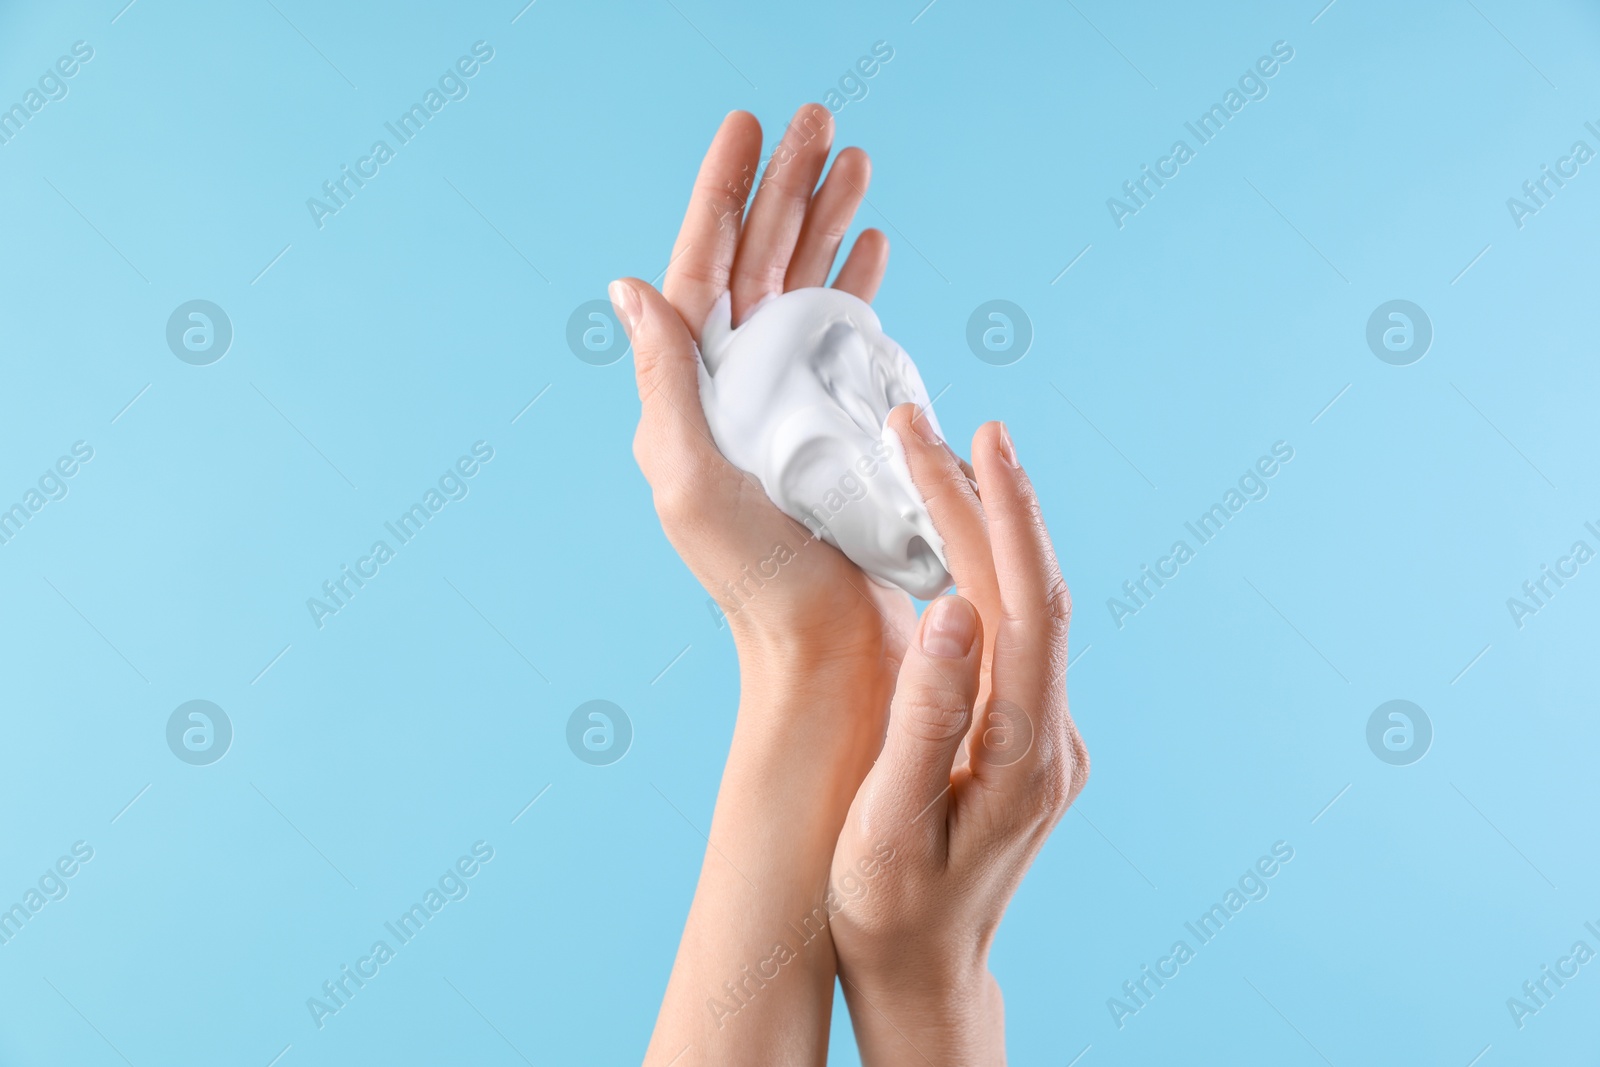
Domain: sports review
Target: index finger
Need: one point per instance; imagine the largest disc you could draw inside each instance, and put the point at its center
(1030, 653)
(702, 256)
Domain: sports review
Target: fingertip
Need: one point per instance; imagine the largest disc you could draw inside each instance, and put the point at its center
(993, 450)
(951, 628)
(987, 437)
(739, 132)
(816, 113)
(625, 302)
(810, 133)
(914, 427)
(1008, 448)
(864, 267)
(650, 322)
(855, 164)
(900, 417)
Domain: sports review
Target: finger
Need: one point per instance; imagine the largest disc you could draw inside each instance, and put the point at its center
(828, 218)
(779, 210)
(1041, 768)
(863, 268)
(952, 502)
(929, 716)
(702, 257)
(966, 468)
(673, 444)
(953, 506)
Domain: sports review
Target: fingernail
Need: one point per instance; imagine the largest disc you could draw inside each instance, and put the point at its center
(625, 302)
(924, 427)
(1008, 451)
(948, 628)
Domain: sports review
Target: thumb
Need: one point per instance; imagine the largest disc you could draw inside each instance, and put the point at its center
(673, 441)
(931, 711)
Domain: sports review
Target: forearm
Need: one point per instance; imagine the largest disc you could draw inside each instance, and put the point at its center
(753, 982)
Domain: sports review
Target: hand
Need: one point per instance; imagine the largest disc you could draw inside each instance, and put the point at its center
(938, 839)
(792, 601)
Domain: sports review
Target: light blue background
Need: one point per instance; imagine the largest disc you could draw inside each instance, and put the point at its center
(423, 718)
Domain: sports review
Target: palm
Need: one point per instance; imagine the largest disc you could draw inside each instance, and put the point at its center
(754, 559)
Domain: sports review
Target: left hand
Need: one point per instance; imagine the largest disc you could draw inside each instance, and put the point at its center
(818, 641)
(819, 612)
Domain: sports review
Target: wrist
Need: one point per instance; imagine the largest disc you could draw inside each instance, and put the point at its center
(843, 683)
(922, 986)
(957, 1018)
(792, 653)
(804, 740)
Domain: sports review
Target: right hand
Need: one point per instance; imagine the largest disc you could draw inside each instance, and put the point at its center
(953, 812)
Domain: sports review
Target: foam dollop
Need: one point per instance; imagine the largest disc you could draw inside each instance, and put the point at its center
(799, 395)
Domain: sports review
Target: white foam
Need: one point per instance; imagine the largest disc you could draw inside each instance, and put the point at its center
(799, 396)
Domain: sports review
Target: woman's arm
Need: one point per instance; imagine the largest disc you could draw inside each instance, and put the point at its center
(753, 981)
(818, 642)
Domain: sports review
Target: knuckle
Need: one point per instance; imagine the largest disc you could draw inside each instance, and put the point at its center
(649, 362)
(1058, 600)
(1080, 765)
(712, 275)
(941, 483)
(644, 453)
(1022, 511)
(1053, 785)
(1055, 616)
(647, 451)
(1050, 608)
(832, 232)
(936, 714)
(726, 198)
(1058, 777)
(675, 501)
(767, 279)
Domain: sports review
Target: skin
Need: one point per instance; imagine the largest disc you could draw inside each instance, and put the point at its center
(964, 801)
(823, 651)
